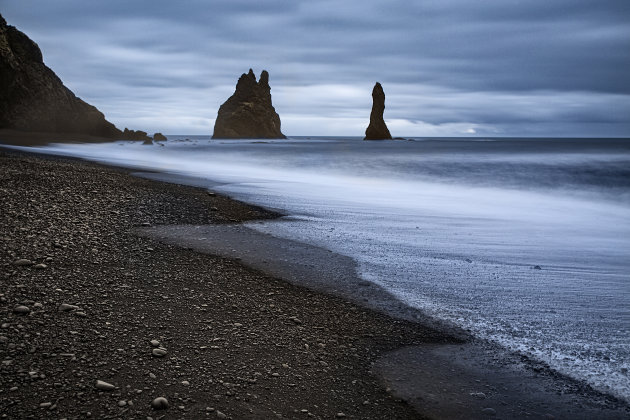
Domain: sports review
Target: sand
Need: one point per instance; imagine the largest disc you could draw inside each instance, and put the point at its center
(156, 289)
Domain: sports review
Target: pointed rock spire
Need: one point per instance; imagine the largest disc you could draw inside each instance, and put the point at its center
(377, 130)
(248, 113)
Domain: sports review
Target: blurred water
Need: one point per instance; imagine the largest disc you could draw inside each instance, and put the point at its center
(525, 242)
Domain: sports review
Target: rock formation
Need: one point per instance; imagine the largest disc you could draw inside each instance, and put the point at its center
(248, 113)
(159, 137)
(128, 134)
(33, 98)
(377, 130)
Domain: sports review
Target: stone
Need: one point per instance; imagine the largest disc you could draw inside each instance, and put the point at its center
(40, 266)
(221, 415)
(122, 403)
(21, 310)
(104, 386)
(159, 352)
(159, 137)
(160, 403)
(147, 142)
(489, 411)
(249, 113)
(377, 129)
(155, 343)
(22, 262)
(340, 415)
(65, 307)
(185, 383)
(33, 98)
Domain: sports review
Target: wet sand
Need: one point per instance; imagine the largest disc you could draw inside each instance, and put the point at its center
(251, 326)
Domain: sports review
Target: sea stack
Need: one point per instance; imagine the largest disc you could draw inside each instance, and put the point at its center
(33, 98)
(377, 130)
(248, 113)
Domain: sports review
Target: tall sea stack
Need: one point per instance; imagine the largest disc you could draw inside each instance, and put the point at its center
(248, 113)
(377, 130)
(33, 98)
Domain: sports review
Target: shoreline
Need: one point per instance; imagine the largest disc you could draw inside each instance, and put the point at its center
(223, 217)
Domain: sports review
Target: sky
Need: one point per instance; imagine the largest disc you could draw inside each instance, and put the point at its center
(448, 67)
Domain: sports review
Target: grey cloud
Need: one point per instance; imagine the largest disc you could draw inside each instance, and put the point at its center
(495, 63)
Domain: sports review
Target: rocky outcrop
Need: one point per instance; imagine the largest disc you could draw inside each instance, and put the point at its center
(248, 113)
(135, 135)
(33, 98)
(159, 137)
(377, 130)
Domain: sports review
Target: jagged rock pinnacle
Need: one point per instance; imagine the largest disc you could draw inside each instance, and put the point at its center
(248, 113)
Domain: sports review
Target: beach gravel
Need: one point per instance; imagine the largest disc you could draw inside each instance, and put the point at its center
(106, 293)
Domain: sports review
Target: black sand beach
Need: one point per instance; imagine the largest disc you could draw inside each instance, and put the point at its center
(99, 286)
(238, 342)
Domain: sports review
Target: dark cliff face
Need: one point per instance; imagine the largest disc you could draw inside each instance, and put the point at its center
(377, 130)
(33, 98)
(248, 113)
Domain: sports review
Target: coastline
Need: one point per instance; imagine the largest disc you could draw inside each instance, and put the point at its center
(239, 342)
(351, 346)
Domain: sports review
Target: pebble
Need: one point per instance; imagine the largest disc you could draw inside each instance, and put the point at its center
(22, 262)
(155, 343)
(221, 415)
(80, 314)
(65, 307)
(21, 310)
(160, 403)
(340, 415)
(104, 386)
(122, 403)
(185, 383)
(45, 404)
(489, 411)
(159, 352)
(40, 266)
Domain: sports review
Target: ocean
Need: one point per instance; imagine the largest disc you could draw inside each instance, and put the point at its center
(522, 242)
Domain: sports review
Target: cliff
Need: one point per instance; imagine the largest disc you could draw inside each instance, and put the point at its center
(33, 98)
(248, 113)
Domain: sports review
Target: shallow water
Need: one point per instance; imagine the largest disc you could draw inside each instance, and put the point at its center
(523, 242)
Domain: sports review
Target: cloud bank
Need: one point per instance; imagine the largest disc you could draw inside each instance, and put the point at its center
(449, 68)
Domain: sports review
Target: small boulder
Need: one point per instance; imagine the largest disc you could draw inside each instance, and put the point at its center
(104, 386)
(160, 352)
(159, 137)
(21, 310)
(160, 403)
(65, 307)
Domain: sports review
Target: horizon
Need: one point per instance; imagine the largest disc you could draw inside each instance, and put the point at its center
(448, 70)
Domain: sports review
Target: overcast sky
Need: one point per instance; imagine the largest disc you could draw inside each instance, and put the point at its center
(448, 67)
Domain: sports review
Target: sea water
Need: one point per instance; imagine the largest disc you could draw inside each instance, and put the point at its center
(524, 242)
